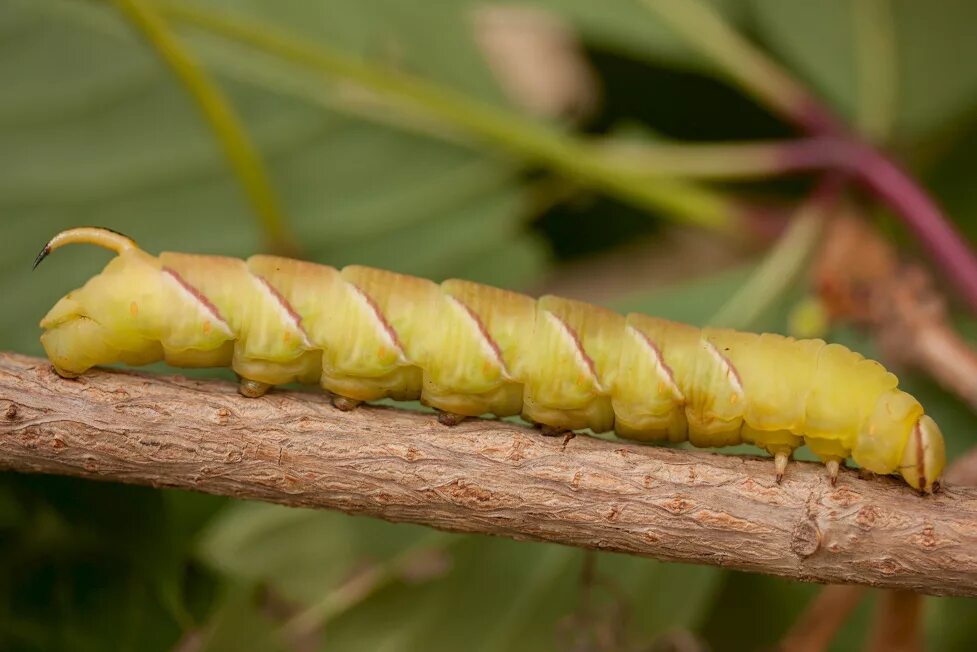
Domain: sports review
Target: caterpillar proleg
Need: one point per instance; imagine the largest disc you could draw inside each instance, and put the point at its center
(469, 350)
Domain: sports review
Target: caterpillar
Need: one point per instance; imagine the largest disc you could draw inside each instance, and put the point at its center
(468, 350)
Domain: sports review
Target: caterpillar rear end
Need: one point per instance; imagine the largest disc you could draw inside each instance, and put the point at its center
(469, 350)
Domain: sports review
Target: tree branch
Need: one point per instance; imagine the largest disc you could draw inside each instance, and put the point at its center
(487, 477)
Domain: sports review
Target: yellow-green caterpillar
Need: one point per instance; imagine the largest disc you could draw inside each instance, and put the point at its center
(468, 349)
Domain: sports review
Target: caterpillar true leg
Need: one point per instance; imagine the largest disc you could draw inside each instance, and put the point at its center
(780, 460)
(554, 431)
(450, 418)
(253, 388)
(834, 467)
(467, 349)
(345, 404)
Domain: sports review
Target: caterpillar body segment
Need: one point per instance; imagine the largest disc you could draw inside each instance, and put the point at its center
(468, 350)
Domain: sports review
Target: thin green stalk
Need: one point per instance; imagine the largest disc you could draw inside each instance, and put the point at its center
(876, 67)
(778, 271)
(530, 140)
(742, 160)
(224, 121)
(702, 26)
(366, 584)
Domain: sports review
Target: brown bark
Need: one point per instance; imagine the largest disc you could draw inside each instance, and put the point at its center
(488, 477)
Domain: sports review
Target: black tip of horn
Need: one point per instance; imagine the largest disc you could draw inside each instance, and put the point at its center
(41, 255)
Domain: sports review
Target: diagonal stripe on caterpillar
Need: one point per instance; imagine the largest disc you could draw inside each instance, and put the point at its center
(469, 349)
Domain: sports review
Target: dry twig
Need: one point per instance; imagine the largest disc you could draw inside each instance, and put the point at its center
(860, 278)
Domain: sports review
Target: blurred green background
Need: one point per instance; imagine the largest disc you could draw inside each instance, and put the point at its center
(96, 129)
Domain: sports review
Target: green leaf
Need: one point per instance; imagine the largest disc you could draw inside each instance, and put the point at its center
(238, 624)
(823, 41)
(951, 178)
(96, 131)
(691, 592)
(754, 612)
(499, 595)
(694, 301)
(92, 566)
(302, 554)
(388, 32)
(629, 28)
(531, 590)
(816, 39)
(949, 623)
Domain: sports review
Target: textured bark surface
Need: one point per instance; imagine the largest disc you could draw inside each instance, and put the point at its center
(488, 477)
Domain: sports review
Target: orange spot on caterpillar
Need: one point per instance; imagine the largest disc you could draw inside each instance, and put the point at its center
(206, 327)
(733, 398)
(133, 308)
(286, 336)
(661, 386)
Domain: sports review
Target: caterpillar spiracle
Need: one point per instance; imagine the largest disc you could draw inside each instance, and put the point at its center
(468, 349)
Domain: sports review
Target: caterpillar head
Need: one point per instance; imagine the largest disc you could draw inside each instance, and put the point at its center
(110, 318)
(897, 436)
(924, 456)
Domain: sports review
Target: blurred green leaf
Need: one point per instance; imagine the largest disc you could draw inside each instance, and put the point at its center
(525, 258)
(694, 301)
(389, 32)
(97, 561)
(817, 39)
(302, 554)
(499, 595)
(663, 597)
(239, 624)
(628, 28)
(530, 589)
(753, 612)
(932, 41)
(124, 148)
(949, 623)
(951, 178)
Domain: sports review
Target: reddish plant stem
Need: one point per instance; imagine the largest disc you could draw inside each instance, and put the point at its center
(819, 624)
(898, 623)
